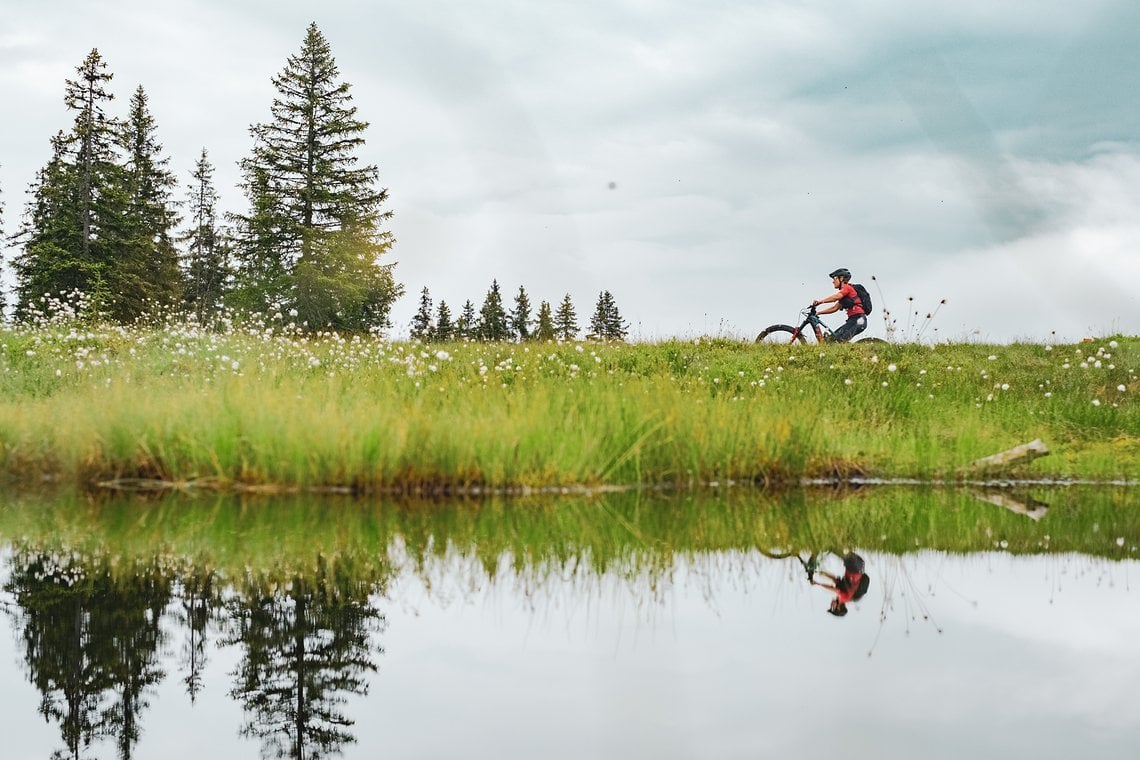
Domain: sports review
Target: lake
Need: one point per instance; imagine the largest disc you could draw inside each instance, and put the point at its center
(995, 624)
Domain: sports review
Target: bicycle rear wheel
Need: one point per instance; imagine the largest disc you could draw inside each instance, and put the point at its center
(779, 334)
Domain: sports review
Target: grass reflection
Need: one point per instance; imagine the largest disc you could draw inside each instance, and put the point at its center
(264, 540)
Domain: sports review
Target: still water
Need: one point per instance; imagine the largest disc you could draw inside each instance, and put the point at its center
(625, 627)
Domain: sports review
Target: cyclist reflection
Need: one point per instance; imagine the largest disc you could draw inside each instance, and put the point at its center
(849, 587)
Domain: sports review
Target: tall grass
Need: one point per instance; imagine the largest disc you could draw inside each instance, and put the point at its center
(270, 405)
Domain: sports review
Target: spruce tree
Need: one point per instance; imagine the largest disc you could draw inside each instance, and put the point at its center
(493, 324)
(313, 238)
(50, 262)
(616, 327)
(444, 329)
(206, 265)
(566, 320)
(421, 322)
(74, 222)
(598, 320)
(519, 319)
(465, 328)
(92, 142)
(606, 323)
(145, 275)
(544, 330)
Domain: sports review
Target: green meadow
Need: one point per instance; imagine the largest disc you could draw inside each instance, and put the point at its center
(270, 406)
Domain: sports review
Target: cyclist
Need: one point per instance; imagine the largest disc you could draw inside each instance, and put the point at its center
(847, 299)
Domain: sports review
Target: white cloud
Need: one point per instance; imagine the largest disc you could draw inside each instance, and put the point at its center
(752, 147)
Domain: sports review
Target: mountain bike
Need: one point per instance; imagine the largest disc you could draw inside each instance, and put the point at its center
(789, 334)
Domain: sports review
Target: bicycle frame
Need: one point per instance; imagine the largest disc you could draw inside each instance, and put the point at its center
(821, 331)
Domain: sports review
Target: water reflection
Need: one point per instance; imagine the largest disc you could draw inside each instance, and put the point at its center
(91, 643)
(284, 610)
(93, 635)
(305, 648)
(849, 587)
(200, 600)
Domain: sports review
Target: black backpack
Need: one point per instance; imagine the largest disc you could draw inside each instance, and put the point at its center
(864, 297)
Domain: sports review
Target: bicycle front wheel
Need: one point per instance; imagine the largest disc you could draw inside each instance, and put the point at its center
(779, 334)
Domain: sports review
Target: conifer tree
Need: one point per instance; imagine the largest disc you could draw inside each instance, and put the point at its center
(616, 328)
(606, 323)
(50, 235)
(598, 320)
(566, 320)
(207, 254)
(421, 322)
(73, 229)
(493, 325)
(465, 328)
(544, 330)
(145, 274)
(313, 236)
(93, 140)
(519, 318)
(444, 329)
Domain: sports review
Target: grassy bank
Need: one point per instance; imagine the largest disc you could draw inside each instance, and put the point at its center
(270, 405)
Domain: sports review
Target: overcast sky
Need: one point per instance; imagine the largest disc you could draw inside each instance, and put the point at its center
(708, 163)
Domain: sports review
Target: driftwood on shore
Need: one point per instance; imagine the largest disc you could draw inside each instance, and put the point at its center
(1022, 454)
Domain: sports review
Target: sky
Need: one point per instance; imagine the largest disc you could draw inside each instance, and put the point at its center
(707, 163)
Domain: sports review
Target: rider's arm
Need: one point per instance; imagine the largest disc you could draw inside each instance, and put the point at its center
(830, 310)
(827, 299)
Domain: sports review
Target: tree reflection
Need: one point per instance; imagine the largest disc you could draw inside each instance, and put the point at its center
(91, 643)
(201, 601)
(307, 650)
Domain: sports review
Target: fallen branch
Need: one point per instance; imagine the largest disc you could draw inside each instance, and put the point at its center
(1022, 454)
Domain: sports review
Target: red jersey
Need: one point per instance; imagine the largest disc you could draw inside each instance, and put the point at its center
(847, 295)
(847, 586)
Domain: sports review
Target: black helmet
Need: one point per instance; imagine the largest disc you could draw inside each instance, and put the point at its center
(841, 272)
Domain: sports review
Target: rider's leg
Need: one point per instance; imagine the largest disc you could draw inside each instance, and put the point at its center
(850, 329)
